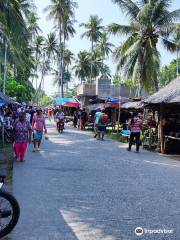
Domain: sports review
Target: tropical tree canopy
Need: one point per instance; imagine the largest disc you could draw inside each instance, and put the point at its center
(168, 73)
(138, 57)
(93, 29)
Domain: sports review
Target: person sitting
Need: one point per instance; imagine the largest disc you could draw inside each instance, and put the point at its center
(60, 116)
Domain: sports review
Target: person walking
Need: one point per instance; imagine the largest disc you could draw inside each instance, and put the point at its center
(31, 112)
(135, 125)
(75, 119)
(102, 125)
(50, 114)
(83, 119)
(38, 125)
(22, 136)
(97, 117)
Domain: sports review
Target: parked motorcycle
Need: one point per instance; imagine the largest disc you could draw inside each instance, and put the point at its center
(9, 211)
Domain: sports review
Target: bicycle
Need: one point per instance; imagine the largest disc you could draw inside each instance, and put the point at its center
(9, 211)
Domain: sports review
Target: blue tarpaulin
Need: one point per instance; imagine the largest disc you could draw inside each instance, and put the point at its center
(114, 100)
(62, 101)
(2, 103)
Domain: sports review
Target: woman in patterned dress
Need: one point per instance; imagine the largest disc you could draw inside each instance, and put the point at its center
(22, 136)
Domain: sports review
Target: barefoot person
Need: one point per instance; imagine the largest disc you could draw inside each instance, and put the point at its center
(22, 135)
(38, 126)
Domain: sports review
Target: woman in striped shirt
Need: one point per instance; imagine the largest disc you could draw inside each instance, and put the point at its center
(135, 125)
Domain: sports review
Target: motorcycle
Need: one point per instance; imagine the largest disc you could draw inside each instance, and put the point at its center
(9, 211)
(60, 125)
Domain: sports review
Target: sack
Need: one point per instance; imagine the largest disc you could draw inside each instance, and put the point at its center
(46, 136)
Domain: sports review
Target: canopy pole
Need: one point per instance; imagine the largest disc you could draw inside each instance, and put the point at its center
(119, 110)
(161, 129)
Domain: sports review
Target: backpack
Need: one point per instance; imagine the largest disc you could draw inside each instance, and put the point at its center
(104, 118)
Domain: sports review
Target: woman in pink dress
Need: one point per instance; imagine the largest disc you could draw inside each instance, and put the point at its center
(38, 126)
(22, 135)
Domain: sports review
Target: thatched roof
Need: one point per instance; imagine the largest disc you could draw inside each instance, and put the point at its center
(133, 105)
(169, 94)
(6, 98)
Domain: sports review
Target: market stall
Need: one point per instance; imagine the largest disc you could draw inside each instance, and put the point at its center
(167, 103)
(69, 105)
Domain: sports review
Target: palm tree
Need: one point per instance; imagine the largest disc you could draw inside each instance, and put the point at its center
(38, 48)
(51, 46)
(49, 49)
(33, 26)
(96, 63)
(93, 32)
(138, 56)
(105, 71)
(82, 66)
(60, 11)
(68, 58)
(173, 44)
(14, 34)
(105, 46)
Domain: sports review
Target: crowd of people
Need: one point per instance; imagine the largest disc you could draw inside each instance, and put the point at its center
(28, 124)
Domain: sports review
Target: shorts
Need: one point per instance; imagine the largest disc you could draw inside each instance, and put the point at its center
(102, 128)
(37, 135)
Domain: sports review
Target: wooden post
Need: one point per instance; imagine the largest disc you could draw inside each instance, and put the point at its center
(161, 130)
(3, 134)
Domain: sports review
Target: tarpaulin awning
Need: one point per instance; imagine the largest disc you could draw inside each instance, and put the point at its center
(114, 104)
(62, 101)
(2, 102)
(71, 104)
(114, 100)
(67, 102)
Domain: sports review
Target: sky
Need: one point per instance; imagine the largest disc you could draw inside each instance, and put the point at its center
(106, 10)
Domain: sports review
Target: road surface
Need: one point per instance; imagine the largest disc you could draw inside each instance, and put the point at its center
(78, 188)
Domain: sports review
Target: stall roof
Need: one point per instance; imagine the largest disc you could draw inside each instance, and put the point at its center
(133, 105)
(169, 94)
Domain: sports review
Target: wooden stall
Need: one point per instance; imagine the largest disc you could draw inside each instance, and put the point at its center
(167, 103)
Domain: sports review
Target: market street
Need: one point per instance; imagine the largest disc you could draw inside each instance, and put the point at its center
(78, 188)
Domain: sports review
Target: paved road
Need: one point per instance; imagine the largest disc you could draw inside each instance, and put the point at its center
(78, 188)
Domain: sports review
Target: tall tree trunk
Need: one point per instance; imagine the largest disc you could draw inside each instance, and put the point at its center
(5, 67)
(61, 62)
(39, 89)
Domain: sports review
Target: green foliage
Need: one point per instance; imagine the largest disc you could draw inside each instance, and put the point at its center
(130, 84)
(116, 80)
(71, 92)
(46, 101)
(168, 73)
(22, 92)
(138, 57)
